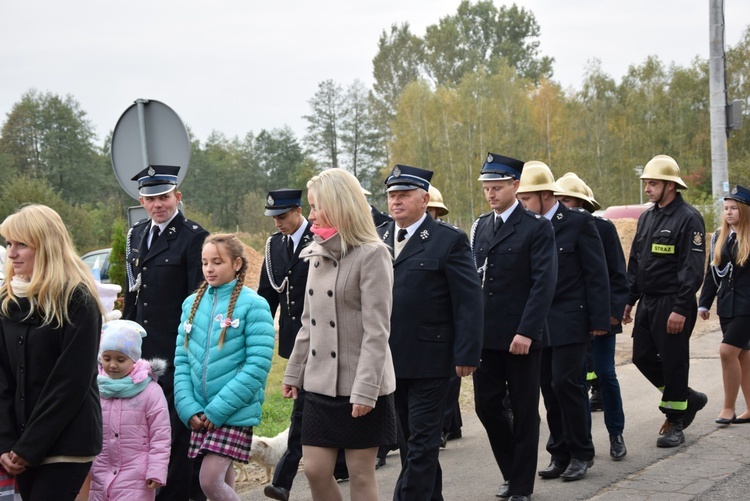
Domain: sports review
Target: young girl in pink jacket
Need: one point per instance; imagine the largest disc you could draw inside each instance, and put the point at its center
(133, 462)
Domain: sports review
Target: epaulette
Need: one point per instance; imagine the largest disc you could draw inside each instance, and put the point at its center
(485, 214)
(531, 213)
(384, 223)
(192, 225)
(448, 225)
(145, 220)
(600, 217)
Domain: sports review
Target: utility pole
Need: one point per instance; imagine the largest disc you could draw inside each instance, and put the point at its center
(718, 102)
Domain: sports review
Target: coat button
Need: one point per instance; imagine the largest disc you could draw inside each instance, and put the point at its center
(289, 272)
(313, 352)
(310, 292)
(166, 260)
(145, 322)
(114, 472)
(292, 303)
(145, 286)
(330, 293)
(492, 279)
(333, 324)
(291, 287)
(312, 321)
(145, 269)
(492, 265)
(490, 294)
(145, 304)
(333, 354)
(117, 435)
(335, 264)
(317, 263)
(294, 318)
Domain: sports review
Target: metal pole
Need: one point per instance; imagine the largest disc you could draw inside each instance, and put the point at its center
(718, 102)
(140, 104)
(638, 171)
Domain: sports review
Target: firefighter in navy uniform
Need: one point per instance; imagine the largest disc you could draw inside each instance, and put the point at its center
(665, 271)
(163, 265)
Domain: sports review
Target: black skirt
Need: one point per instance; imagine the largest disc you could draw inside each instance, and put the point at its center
(736, 331)
(328, 422)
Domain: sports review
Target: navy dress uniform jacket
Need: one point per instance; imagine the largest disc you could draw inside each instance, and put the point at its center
(290, 318)
(170, 271)
(733, 290)
(523, 254)
(618, 278)
(436, 321)
(579, 305)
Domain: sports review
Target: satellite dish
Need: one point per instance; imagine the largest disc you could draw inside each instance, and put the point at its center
(148, 133)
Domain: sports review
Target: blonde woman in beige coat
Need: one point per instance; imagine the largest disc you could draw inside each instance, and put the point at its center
(341, 356)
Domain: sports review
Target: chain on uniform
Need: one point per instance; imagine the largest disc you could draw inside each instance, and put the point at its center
(134, 284)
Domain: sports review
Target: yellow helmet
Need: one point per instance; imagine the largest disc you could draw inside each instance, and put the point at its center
(663, 168)
(436, 201)
(573, 186)
(536, 176)
(594, 204)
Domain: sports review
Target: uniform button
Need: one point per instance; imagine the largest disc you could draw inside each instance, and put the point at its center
(145, 268)
(21, 367)
(292, 303)
(291, 287)
(145, 286)
(335, 264)
(330, 293)
(166, 260)
(145, 322)
(421, 264)
(145, 304)
(313, 352)
(492, 251)
(310, 292)
(294, 318)
(22, 397)
(490, 294)
(492, 279)
(333, 354)
(20, 341)
(317, 263)
(560, 249)
(492, 265)
(312, 321)
(333, 324)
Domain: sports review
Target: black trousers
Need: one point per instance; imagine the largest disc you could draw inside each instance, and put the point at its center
(663, 358)
(420, 404)
(452, 421)
(52, 482)
(183, 482)
(566, 400)
(286, 468)
(515, 442)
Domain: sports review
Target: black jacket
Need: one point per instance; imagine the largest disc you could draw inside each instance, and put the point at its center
(618, 278)
(292, 296)
(519, 270)
(668, 254)
(581, 301)
(170, 271)
(733, 290)
(49, 398)
(436, 320)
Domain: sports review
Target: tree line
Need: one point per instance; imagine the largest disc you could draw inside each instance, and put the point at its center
(476, 81)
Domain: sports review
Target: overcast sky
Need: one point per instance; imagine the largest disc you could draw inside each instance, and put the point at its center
(241, 65)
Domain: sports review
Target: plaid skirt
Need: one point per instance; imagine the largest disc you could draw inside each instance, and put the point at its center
(229, 441)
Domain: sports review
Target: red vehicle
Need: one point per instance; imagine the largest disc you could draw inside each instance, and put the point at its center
(625, 211)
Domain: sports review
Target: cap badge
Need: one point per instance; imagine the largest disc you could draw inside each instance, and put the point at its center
(270, 201)
(734, 191)
(385, 235)
(396, 172)
(424, 234)
(151, 171)
(172, 229)
(489, 158)
(559, 215)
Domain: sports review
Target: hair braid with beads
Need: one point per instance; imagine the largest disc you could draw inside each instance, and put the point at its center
(234, 247)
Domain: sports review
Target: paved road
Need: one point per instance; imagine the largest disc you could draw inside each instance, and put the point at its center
(713, 464)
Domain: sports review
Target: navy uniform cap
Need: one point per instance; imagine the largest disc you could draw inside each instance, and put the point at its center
(404, 177)
(740, 194)
(281, 201)
(500, 168)
(156, 180)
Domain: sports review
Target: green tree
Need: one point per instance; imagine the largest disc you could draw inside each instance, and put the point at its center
(117, 256)
(279, 157)
(361, 142)
(396, 64)
(327, 108)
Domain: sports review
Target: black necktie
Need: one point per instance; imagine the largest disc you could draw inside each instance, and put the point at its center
(731, 239)
(157, 231)
(401, 235)
(498, 223)
(289, 247)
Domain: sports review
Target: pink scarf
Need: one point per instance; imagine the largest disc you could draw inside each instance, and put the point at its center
(324, 233)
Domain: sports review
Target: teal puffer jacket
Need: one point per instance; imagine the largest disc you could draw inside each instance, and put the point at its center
(227, 383)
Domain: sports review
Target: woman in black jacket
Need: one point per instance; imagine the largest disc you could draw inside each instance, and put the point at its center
(50, 322)
(728, 278)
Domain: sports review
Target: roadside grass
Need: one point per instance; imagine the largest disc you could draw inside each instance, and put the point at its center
(276, 409)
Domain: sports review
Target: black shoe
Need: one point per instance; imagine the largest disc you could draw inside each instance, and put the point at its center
(576, 470)
(617, 449)
(276, 492)
(453, 435)
(695, 402)
(443, 440)
(554, 470)
(725, 421)
(379, 462)
(503, 492)
(595, 402)
(671, 434)
(519, 497)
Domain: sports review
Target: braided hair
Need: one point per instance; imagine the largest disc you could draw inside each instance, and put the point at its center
(234, 246)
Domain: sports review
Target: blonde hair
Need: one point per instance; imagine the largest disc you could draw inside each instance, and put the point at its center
(339, 196)
(58, 270)
(234, 246)
(743, 236)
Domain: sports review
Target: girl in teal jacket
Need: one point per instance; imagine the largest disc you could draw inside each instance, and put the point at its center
(223, 355)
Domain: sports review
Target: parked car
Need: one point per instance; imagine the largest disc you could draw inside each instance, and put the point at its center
(623, 211)
(99, 258)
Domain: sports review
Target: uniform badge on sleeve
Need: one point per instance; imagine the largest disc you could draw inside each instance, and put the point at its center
(697, 238)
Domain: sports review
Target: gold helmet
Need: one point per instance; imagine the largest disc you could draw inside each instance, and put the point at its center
(536, 176)
(595, 206)
(663, 168)
(573, 186)
(436, 201)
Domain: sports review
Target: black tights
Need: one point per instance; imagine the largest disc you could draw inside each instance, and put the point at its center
(52, 482)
